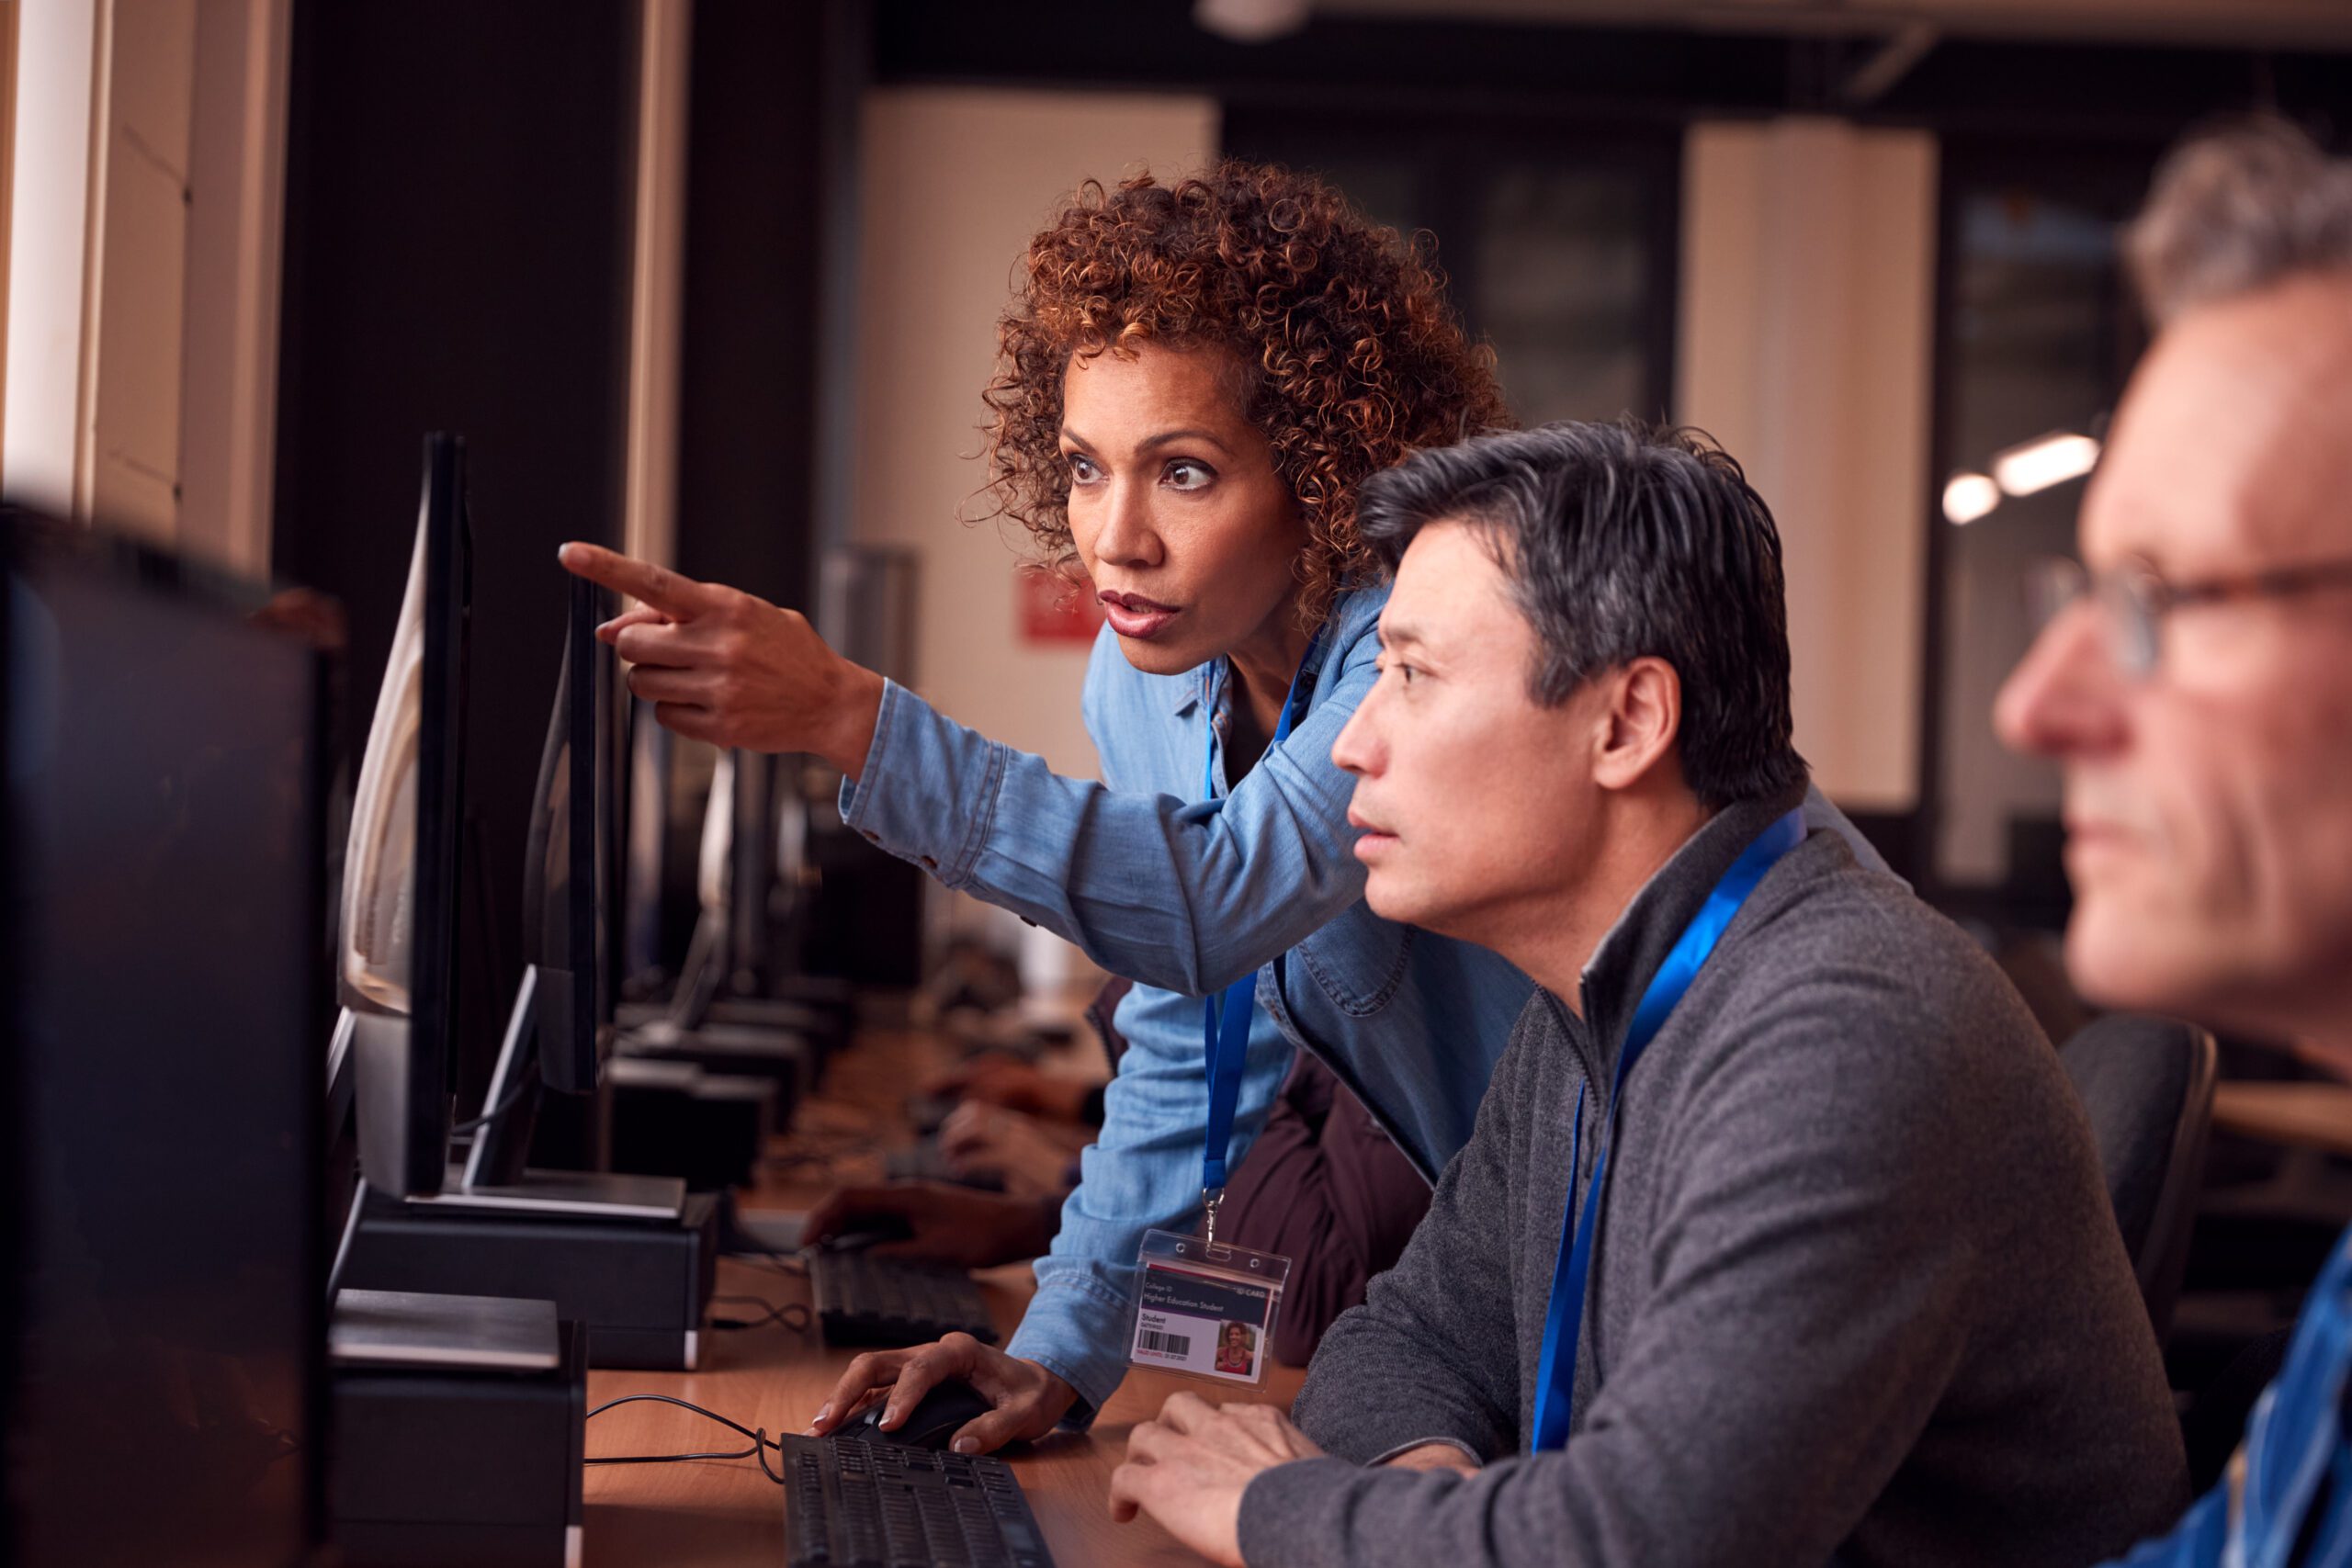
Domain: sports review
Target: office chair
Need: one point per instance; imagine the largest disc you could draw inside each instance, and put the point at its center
(2148, 1085)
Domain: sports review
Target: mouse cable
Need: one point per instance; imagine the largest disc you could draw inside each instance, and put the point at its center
(794, 1315)
(793, 1265)
(760, 1441)
(524, 1082)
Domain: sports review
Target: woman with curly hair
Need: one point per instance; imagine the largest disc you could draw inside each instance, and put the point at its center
(1194, 377)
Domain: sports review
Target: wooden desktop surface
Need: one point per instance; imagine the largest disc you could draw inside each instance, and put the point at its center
(2305, 1115)
(720, 1513)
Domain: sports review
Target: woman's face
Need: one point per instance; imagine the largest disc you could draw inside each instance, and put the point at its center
(1191, 538)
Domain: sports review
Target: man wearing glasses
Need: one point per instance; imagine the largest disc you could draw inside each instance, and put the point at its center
(2196, 685)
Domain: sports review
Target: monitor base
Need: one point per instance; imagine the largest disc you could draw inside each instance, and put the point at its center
(710, 1130)
(735, 1050)
(577, 1194)
(640, 1287)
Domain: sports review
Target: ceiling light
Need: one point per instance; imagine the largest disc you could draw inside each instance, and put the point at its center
(2038, 465)
(1969, 496)
(1249, 21)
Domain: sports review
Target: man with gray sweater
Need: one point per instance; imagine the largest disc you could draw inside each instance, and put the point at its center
(1781, 1238)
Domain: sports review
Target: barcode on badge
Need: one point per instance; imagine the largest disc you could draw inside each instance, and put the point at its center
(1166, 1344)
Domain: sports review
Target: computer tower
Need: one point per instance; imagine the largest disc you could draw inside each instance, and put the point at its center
(447, 1467)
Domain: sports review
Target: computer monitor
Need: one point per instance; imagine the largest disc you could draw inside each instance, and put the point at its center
(397, 969)
(645, 860)
(560, 1029)
(162, 853)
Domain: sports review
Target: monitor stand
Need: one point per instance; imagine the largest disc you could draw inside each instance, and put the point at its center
(496, 1180)
(633, 1259)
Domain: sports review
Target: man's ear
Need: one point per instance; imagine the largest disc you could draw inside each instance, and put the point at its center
(1640, 724)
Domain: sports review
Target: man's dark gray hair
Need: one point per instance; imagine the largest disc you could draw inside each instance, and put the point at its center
(1624, 541)
(2236, 210)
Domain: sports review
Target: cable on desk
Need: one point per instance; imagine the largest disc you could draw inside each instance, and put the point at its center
(796, 1267)
(760, 1441)
(794, 1315)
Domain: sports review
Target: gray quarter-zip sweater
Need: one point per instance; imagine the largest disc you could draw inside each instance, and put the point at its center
(1858, 1296)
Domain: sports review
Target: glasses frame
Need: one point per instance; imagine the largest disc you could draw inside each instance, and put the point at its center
(2134, 598)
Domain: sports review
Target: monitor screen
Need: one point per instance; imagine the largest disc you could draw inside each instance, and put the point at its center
(398, 962)
(560, 1028)
(163, 908)
(564, 883)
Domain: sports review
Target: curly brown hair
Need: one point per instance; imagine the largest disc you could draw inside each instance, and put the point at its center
(1350, 356)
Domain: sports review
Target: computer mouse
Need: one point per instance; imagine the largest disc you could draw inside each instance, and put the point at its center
(932, 1424)
(870, 1230)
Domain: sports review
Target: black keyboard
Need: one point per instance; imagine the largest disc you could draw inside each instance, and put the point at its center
(864, 1299)
(856, 1505)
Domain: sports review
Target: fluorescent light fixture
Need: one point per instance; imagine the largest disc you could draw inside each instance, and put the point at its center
(2053, 459)
(1969, 496)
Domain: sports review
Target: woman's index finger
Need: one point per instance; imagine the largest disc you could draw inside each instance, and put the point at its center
(678, 597)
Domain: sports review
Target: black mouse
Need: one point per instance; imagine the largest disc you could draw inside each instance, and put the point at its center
(870, 1230)
(932, 1424)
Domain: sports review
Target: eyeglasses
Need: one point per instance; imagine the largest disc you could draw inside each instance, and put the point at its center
(2134, 599)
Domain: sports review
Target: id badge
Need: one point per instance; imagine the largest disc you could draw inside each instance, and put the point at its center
(1206, 1309)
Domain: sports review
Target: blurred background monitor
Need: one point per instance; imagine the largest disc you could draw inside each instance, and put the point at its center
(397, 970)
(161, 994)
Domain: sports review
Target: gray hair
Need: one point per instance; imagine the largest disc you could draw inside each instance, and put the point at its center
(2235, 211)
(1621, 542)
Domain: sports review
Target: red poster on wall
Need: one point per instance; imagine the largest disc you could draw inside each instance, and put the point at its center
(1055, 610)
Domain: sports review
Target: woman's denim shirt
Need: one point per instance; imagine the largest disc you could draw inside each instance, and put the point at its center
(1184, 897)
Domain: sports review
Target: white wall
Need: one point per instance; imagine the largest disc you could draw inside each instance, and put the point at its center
(955, 183)
(56, 54)
(143, 253)
(1808, 258)
(228, 414)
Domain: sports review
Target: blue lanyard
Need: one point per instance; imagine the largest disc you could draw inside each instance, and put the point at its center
(1225, 1018)
(1556, 1373)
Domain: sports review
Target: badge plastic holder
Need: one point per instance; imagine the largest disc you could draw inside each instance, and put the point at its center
(1206, 1309)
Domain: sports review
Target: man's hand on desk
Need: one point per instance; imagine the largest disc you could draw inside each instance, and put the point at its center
(1028, 1399)
(946, 1223)
(1189, 1469)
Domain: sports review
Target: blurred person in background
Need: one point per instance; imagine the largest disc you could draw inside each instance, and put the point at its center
(2194, 682)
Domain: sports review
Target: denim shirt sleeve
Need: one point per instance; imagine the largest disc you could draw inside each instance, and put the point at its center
(1143, 1172)
(1186, 895)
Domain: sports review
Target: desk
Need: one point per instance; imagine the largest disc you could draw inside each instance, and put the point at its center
(2299, 1115)
(717, 1514)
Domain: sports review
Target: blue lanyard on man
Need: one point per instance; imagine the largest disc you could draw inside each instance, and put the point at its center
(1226, 1018)
(1556, 1372)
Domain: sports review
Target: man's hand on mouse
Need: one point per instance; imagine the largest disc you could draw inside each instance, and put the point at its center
(1028, 1400)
